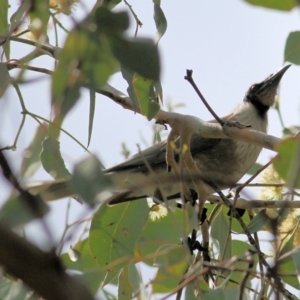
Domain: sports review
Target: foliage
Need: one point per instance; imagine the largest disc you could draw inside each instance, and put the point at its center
(115, 239)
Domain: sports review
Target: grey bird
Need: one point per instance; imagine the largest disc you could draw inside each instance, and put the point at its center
(221, 161)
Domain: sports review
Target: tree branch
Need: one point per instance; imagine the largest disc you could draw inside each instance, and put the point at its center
(43, 272)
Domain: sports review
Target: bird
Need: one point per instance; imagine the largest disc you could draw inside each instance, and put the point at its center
(222, 162)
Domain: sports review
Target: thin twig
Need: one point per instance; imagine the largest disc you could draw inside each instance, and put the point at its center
(190, 79)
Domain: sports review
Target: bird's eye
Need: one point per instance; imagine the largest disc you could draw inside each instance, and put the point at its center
(252, 88)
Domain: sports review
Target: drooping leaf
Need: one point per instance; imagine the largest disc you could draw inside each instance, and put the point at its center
(275, 4)
(114, 232)
(220, 232)
(259, 220)
(160, 21)
(143, 90)
(52, 160)
(139, 55)
(89, 180)
(4, 28)
(292, 48)
(125, 288)
(92, 113)
(128, 76)
(85, 59)
(287, 265)
(284, 163)
(3, 17)
(4, 79)
(17, 17)
(31, 157)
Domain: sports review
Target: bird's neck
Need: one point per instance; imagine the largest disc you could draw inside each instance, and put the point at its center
(261, 108)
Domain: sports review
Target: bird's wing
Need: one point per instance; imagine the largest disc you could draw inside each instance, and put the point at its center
(156, 154)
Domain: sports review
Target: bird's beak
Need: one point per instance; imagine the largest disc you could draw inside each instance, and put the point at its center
(267, 89)
(273, 80)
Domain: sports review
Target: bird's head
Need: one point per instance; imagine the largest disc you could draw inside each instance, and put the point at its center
(262, 94)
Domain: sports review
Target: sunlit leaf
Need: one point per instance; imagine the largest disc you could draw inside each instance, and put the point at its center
(31, 157)
(52, 160)
(89, 180)
(275, 4)
(160, 21)
(284, 163)
(125, 289)
(113, 233)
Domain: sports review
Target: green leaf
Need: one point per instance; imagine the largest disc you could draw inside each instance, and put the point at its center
(285, 5)
(89, 180)
(138, 55)
(287, 265)
(142, 88)
(17, 17)
(292, 48)
(85, 59)
(125, 288)
(92, 279)
(52, 160)
(259, 220)
(215, 294)
(109, 22)
(92, 113)
(220, 231)
(160, 21)
(284, 163)
(113, 233)
(254, 169)
(85, 262)
(3, 17)
(172, 266)
(31, 158)
(168, 230)
(128, 76)
(15, 212)
(4, 79)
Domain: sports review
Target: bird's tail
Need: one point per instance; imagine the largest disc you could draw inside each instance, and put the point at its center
(52, 190)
